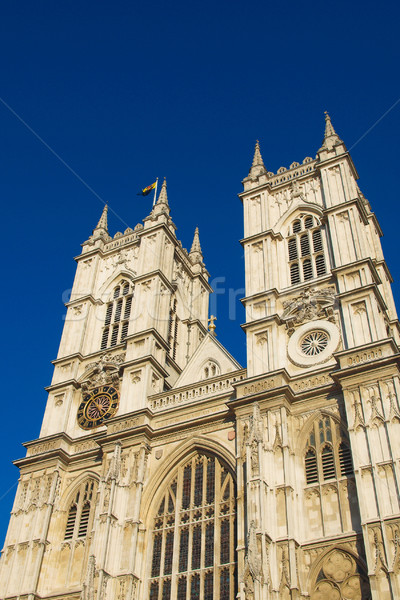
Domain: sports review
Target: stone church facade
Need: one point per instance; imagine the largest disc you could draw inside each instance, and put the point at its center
(166, 471)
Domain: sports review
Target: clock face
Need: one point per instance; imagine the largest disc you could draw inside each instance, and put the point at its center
(98, 406)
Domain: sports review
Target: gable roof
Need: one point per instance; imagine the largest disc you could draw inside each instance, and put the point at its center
(210, 349)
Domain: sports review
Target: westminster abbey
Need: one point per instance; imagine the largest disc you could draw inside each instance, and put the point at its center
(164, 470)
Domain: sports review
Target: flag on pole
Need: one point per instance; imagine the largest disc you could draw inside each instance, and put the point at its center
(146, 191)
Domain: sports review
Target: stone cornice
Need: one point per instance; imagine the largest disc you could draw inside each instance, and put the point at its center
(62, 384)
(353, 202)
(359, 294)
(150, 275)
(147, 358)
(263, 234)
(364, 358)
(86, 298)
(147, 332)
(293, 388)
(267, 320)
(358, 263)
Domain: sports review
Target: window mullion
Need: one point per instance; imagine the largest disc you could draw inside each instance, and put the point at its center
(177, 537)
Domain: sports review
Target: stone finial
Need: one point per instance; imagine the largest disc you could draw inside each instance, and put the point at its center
(163, 198)
(195, 254)
(257, 167)
(102, 224)
(331, 138)
(212, 326)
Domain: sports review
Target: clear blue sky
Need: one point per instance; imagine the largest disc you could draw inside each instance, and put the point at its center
(127, 91)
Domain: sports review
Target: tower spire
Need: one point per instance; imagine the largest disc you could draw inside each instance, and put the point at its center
(331, 138)
(163, 198)
(257, 158)
(102, 224)
(257, 167)
(195, 254)
(101, 228)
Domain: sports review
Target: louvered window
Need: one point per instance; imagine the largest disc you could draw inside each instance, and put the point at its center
(80, 512)
(317, 240)
(69, 530)
(346, 463)
(328, 454)
(308, 222)
(305, 242)
(294, 273)
(328, 463)
(292, 246)
(118, 312)
(194, 547)
(311, 466)
(307, 270)
(296, 226)
(305, 245)
(320, 265)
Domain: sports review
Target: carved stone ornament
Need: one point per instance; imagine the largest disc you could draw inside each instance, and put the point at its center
(88, 586)
(310, 305)
(103, 372)
(254, 439)
(253, 555)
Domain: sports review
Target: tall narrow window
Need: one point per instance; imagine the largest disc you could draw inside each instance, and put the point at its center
(305, 250)
(118, 312)
(328, 454)
(80, 511)
(173, 330)
(199, 529)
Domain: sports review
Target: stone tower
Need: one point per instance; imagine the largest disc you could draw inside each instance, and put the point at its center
(166, 471)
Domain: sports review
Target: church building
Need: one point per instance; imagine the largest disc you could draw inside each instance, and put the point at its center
(164, 470)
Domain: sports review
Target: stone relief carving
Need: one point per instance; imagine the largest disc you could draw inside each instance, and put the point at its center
(312, 304)
(103, 372)
(254, 439)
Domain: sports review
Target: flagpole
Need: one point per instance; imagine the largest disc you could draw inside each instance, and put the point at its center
(155, 192)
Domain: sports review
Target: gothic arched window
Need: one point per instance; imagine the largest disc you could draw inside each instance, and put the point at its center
(80, 511)
(118, 311)
(305, 250)
(194, 543)
(328, 454)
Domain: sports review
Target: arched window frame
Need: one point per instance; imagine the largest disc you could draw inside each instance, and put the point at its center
(331, 450)
(190, 555)
(118, 312)
(305, 250)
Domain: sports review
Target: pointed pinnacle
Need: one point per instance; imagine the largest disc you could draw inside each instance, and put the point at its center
(329, 130)
(196, 242)
(102, 224)
(257, 159)
(331, 138)
(163, 198)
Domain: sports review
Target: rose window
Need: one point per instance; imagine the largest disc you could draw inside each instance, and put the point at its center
(314, 343)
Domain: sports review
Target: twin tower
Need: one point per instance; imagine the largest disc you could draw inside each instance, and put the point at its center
(166, 471)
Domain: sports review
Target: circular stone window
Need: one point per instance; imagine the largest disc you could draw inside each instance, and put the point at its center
(313, 343)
